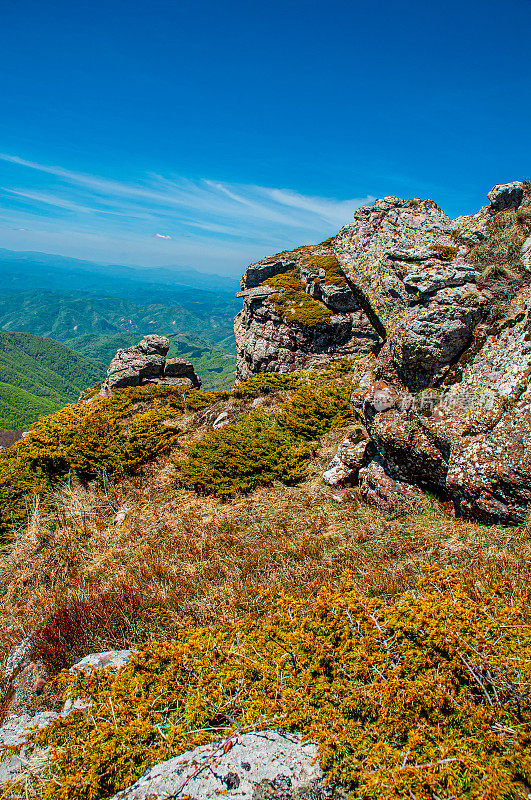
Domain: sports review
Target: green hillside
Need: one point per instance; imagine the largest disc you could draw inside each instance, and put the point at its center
(98, 327)
(38, 376)
(66, 317)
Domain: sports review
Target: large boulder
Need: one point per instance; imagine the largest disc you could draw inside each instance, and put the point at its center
(469, 441)
(139, 363)
(266, 765)
(507, 195)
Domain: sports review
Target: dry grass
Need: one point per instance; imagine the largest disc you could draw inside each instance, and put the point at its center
(202, 560)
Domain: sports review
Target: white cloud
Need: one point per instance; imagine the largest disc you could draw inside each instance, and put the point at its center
(215, 225)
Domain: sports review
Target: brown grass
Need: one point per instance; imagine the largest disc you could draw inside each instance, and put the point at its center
(202, 560)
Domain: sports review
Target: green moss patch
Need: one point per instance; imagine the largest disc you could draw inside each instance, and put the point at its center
(329, 263)
(293, 304)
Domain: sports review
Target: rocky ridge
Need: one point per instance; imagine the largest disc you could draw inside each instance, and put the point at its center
(410, 287)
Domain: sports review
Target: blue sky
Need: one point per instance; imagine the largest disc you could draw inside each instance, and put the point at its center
(209, 134)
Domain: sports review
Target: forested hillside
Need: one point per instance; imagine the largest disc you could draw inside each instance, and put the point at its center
(38, 376)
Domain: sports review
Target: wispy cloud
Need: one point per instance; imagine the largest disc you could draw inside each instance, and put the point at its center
(206, 223)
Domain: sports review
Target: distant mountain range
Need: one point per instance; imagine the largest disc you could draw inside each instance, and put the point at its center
(38, 376)
(21, 271)
(94, 310)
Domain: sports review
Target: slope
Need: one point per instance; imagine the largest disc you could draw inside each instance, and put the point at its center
(38, 376)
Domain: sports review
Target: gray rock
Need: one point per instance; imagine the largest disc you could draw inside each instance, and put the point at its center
(405, 264)
(350, 457)
(19, 657)
(267, 342)
(146, 362)
(526, 253)
(390, 494)
(177, 367)
(506, 195)
(221, 420)
(266, 268)
(134, 365)
(111, 659)
(14, 732)
(267, 765)
(470, 442)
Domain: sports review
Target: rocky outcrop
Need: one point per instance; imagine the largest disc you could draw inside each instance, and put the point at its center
(146, 362)
(265, 765)
(401, 256)
(468, 440)
(405, 282)
(299, 313)
(399, 275)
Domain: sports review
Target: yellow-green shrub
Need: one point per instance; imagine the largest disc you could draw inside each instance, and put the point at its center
(421, 696)
(265, 383)
(238, 458)
(311, 412)
(111, 435)
(259, 448)
(445, 251)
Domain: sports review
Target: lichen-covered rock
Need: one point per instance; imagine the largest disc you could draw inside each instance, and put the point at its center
(146, 362)
(470, 439)
(352, 454)
(299, 312)
(506, 195)
(401, 257)
(388, 494)
(266, 765)
(14, 732)
(484, 419)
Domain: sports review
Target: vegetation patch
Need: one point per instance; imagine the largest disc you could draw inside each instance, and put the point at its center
(329, 263)
(237, 458)
(422, 695)
(312, 412)
(265, 383)
(446, 252)
(261, 448)
(292, 303)
(110, 436)
(500, 253)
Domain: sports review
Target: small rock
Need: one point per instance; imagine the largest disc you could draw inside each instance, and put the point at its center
(390, 495)
(221, 420)
(506, 195)
(112, 659)
(266, 765)
(15, 731)
(381, 396)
